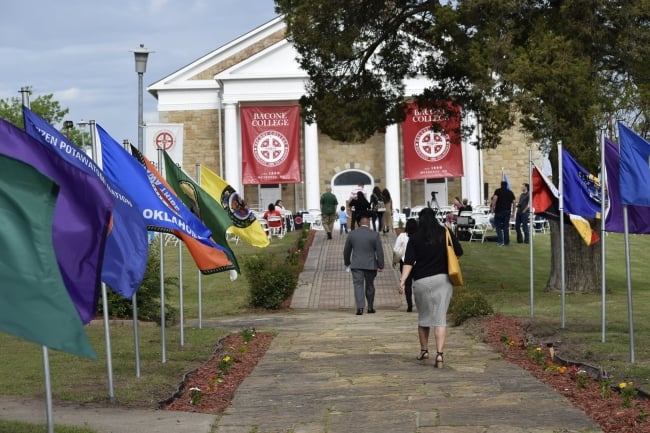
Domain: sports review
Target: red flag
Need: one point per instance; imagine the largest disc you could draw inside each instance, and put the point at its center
(430, 154)
(270, 144)
(545, 195)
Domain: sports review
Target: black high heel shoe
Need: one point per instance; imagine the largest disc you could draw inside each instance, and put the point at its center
(424, 355)
(440, 359)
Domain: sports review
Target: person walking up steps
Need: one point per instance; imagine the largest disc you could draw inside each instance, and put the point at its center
(364, 255)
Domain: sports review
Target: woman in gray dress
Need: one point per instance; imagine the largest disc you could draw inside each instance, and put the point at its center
(426, 262)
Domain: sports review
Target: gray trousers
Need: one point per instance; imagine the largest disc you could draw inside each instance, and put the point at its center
(364, 287)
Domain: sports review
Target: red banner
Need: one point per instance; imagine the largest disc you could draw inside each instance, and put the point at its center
(270, 144)
(430, 154)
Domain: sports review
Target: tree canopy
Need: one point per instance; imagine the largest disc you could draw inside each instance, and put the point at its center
(11, 109)
(561, 70)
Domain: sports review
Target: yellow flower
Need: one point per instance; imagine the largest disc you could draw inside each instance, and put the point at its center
(227, 358)
(539, 349)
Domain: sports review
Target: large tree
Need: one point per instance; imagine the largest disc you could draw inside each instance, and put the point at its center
(560, 70)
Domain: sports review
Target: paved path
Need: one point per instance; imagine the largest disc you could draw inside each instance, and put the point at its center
(330, 371)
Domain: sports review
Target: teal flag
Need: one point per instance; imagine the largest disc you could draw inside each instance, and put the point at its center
(34, 303)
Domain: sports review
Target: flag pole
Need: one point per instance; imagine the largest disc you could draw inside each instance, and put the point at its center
(162, 281)
(628, 274)
(180, 290)
(531, 229)
(134, 306)
(48, 390)
(200, 293)
(107, 337)
(96, 155)
(603, 273)
(561, 212)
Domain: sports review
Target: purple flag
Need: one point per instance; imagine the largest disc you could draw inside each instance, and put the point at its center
(81, 217)
(638, 217)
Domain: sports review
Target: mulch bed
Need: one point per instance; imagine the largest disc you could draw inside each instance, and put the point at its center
(607, 411)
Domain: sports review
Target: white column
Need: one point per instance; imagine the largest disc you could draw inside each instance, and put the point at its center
(232, 148)
(391, 155)
(312, 192)
(472, 183)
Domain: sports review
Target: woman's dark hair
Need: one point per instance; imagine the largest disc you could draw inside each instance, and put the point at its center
(277, 202)
(386, 195)
(377, 191)
(428, 226)
(411, 226)
(271, 207)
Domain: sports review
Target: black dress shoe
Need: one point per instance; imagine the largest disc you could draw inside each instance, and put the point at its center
(359, 311)
(371, 311)
(409, 309)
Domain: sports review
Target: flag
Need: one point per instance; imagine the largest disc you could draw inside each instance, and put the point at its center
(581, 189)
(546, 203)
(161, 209)
(127, 247)
(638, 217)
(81, 217)
(202, 205)
(34, 302)
(244, 223)
(504, 178)
(582, 197)
(634, 176)
(545, 196)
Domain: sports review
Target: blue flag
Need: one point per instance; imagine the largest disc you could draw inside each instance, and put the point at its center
(638, 217)
(81, 217)
(162, 210)
(634, 173)
(504, 178)
(127, 250)
(581, 189)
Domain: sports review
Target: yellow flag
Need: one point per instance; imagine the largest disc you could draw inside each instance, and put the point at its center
(244, 223)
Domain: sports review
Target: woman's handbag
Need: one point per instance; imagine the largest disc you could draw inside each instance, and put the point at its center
(453, 267)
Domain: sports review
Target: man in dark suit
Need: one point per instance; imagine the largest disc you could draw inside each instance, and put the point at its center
(364, 255)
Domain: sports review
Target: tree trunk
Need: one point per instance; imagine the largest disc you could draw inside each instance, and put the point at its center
(582, 264)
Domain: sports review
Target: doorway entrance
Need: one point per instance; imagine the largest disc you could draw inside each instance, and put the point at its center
(344, 182)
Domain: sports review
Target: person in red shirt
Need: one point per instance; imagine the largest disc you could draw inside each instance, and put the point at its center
(272, 211)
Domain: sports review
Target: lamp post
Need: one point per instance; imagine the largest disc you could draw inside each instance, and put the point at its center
(141, 55)
(67, 126)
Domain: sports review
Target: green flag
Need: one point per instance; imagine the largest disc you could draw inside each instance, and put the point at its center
(34, 303)
(207, 209)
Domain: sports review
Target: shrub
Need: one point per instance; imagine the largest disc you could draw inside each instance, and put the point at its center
(467, 303)
(270, 279)
(148, 295)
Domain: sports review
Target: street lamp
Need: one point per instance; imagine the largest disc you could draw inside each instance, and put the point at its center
(141, 55)
(67, 126)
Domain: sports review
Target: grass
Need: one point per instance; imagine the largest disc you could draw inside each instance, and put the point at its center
(501, 274)
(23, 427)
(77, 379)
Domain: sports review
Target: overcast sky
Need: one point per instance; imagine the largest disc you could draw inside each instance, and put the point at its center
(81, 51)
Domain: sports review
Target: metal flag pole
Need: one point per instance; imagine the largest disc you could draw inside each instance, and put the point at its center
(198, 180)
(603, 284)
(628, 274)
(180, 290)
(561, 212)
(531, 229)
(162, 282)
(97, 156)
(24, 91)
(134, 305)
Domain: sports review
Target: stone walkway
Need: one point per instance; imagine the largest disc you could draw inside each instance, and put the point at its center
(330, 371)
